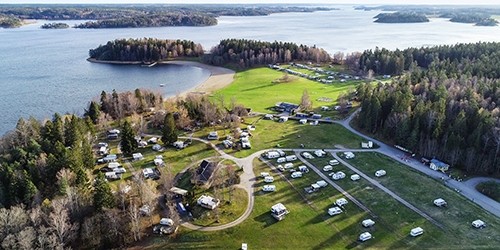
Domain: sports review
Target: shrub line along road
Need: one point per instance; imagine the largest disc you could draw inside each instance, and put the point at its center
(247, 179)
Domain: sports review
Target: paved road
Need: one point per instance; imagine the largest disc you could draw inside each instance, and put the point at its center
(470, 193)
(386, 190)
(335, 185)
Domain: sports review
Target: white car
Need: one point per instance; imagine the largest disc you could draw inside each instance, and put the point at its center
(334, 211)
(355, 177)
(307, 155)
(334, 162)
(380, 173)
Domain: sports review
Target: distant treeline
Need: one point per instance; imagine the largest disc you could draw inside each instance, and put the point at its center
(477, 59)
(401, 17)
(146, 50)
(249, 53)
(172, 19)
(444, 106)
(126, 16)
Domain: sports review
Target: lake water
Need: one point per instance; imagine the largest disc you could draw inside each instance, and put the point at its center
(45, 71)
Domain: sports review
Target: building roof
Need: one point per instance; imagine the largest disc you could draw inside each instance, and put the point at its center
(205, 171)
(439, 163)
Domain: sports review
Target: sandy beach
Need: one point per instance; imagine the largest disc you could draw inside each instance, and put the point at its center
(219, 78)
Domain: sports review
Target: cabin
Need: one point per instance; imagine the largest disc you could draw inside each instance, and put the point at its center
(279, 211)
(205, 171)
(438, 165)
(208, 202)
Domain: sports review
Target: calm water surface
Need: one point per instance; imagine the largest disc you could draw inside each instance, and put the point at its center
(45, 71)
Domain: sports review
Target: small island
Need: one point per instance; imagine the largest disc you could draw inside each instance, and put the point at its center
(401, 17)
(55, 26)
(478, 19)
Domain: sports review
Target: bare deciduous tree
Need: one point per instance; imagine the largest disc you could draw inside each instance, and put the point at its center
(135, 221)
(26, 238)
(305, 102)
(60, 222)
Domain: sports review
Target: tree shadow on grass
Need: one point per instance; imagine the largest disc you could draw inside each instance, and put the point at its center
(265, 219)
(258, 87)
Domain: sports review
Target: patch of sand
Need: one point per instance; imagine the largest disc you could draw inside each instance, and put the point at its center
(219, 78)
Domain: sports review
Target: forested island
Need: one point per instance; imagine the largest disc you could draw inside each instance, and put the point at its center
(481, 16)
(445, 104)
(401, 17)
(242, 53)
(55, 26)
(7, 21)
(134, 16)
(145, 50)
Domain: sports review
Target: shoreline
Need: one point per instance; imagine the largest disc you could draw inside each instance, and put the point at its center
(219, 77)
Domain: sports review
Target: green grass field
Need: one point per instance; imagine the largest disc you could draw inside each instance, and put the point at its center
(255, 89)
(421, 191)
(271, 134)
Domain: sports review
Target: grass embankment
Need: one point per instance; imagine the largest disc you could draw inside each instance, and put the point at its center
(255, 89)
(490, 189)
(290, 134)
(421, 191)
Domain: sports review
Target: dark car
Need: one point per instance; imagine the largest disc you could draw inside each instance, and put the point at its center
(106, 169)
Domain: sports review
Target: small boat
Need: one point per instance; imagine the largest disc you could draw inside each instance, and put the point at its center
(162, 85)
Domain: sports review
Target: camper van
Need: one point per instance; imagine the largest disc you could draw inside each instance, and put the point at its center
(339, 175)
(341, 202)
(368, 223)
(307, 155)
(365, 236)
(327, 168)
(281, 160)
(380, 173)
(478, 224)
(269, 188)
(303, 169)
(264, 174)
(288, 165)
(272, 155)
(322, 183)
(416, 231)
(334, 211)
(296, 174)
(320, 153)
(291, 158)
(355, 177)
(268, 179)
(440, 202)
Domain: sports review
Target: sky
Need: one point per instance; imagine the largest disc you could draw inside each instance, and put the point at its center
(377, 2)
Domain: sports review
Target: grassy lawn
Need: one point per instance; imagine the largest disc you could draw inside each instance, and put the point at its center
(270, 134)
(421, 190)
(175, 158)
(228, 211)
(490, 189)
(308, 226)
(255, 89)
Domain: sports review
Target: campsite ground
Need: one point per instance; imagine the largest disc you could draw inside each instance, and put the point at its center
(308, 225)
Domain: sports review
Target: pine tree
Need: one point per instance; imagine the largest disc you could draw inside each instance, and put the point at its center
(93, 112)
(128, 143)
(169, 130)
(102, 195)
